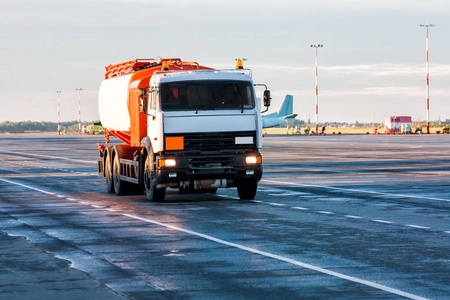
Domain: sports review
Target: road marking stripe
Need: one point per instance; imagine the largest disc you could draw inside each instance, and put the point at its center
(352, 190)
(263, 253)
(353, 217)
(282, 258)
(417, 226)
(48, 156)
(300, 208)
(383, 221)
(229, 197)
(325, 212)
(27, 186)
(50, 168)
(276, 204)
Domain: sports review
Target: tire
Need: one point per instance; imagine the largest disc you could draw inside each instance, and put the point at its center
(153, 194)
(247, 189)
(120, 186)
(108, 176)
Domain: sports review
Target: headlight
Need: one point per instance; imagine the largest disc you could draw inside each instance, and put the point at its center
(253, 160)
(167, 162)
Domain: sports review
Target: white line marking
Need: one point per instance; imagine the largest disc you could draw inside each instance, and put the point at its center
(447, 231)
(112, 210)
(40, 155)
(325, 212)
(417, 226)
(383, 221)
(28, 187)
(84, 202)
(257, 201)
(96, 206)
(275, 204)
(300, 208)
(71, 199)
(353, 190)
(291, 194)
(60, 196)
(282, 258)
(50, 168)
(263, 253)
(353, 217)
(229, 197)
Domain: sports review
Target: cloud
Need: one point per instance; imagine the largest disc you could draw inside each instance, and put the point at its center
(390, 69)
(383, 91)
(382, 69)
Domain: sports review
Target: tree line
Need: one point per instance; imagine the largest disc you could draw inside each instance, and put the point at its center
(27, 126)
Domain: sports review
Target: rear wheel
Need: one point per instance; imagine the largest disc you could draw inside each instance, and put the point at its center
(109, 176)
(247, 189)
(120, 186)
(153, 194)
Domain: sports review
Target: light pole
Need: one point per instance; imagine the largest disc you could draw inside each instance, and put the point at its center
(79, 110)
(428, 79)
(59, 115)
(317, 89)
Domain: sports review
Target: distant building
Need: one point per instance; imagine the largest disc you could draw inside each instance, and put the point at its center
(400, 124)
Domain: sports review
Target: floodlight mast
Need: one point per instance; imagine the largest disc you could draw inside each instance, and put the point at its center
(317, 89)
(428, 77)
(79, 110)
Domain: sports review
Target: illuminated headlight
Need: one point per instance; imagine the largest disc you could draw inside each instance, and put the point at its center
(167, 162)
(253, 160)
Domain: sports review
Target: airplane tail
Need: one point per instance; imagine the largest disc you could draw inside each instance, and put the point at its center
(286, 107)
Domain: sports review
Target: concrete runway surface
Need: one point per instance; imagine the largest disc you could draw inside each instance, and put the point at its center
(336, 217)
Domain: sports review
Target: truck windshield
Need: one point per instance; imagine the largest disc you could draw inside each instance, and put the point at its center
(206, 95)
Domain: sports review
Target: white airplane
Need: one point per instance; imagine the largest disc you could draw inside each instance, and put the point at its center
(283, 116)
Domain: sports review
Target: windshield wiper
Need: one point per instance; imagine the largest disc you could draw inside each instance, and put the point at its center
(198, 99)
(242, 98)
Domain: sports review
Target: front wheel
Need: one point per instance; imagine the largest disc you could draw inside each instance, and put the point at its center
(247, 189)
(153, 194)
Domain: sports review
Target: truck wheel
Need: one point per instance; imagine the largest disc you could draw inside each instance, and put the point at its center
(120, 186)
(153, 194)
(247, 189)
(108, 176)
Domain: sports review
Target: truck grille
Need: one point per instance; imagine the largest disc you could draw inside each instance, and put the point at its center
(211, 162)
(216, 141)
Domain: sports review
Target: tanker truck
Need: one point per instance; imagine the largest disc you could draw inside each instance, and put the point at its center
(182, 126)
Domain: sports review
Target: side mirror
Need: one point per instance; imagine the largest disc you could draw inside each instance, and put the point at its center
(143, 101)
(267, 98)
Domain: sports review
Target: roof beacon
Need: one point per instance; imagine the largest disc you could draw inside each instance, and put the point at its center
(239, 64)
(165, 65)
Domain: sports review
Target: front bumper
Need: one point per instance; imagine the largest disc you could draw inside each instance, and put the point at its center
(232, 167)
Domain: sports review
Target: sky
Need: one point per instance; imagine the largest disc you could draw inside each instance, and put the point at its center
(372, 63)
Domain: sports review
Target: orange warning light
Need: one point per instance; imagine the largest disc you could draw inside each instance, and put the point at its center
(239, 64)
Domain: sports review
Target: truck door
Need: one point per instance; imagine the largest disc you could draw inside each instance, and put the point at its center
(155, 121)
